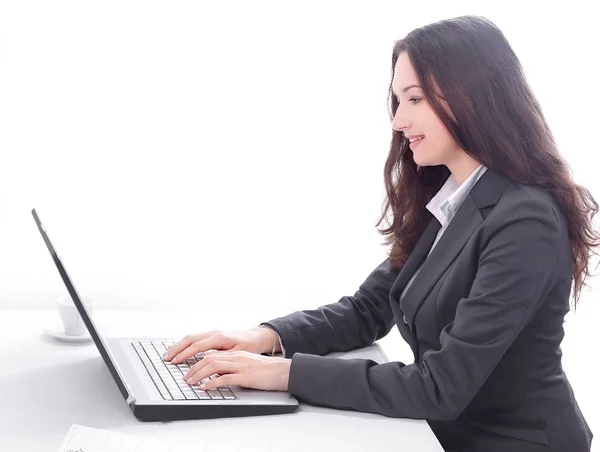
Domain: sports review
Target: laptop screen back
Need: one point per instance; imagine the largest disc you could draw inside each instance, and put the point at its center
(87, 320)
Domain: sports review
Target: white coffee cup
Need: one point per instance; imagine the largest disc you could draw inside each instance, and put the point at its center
(72, 321)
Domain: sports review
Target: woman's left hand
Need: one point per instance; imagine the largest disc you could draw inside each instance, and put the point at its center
(242, 368)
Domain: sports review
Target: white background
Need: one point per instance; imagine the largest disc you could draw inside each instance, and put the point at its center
(220, 155)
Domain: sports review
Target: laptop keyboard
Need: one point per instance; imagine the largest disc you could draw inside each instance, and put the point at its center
(168, 377)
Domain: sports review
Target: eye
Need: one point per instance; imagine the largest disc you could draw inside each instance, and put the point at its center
(418, 99)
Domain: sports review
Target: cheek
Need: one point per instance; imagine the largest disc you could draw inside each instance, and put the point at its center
(437, 134)
(436, 149)
(438, 144)
(428, 122)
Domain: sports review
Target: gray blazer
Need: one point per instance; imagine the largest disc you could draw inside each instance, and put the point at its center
(484, 320)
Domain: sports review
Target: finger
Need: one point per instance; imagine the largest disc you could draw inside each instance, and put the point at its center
(214, 341)
(210, 357)
(222, 380)
(184, 343)
(225, 353)
(215, 367)
(197, 367)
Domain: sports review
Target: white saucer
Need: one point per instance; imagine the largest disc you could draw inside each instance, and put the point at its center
(57, 332)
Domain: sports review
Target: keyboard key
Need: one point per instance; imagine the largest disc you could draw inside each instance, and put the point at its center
(214, 394)
(227, 393)
(190, 395)
(202, 394)
(160, 347)
(165, 393)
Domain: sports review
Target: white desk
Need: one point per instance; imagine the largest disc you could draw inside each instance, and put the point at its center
(47, 385)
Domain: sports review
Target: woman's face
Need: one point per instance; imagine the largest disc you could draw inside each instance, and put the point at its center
(415, 118)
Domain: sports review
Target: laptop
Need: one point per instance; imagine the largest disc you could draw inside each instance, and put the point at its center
(155, 390)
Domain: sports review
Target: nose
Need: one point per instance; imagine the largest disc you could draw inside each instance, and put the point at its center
(400, 121)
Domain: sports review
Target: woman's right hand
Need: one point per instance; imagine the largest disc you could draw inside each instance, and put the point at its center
(254, 340)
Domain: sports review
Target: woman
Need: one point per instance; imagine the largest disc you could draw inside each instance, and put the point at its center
(488, 234)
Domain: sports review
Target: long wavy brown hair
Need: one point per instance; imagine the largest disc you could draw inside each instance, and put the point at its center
(499, 122)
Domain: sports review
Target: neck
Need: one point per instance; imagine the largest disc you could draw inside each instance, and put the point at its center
(463, 168)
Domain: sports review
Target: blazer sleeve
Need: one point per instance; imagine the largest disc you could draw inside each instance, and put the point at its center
(518, 267)
(353, 321)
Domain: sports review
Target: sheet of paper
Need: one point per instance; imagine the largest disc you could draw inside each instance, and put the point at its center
(87, 439)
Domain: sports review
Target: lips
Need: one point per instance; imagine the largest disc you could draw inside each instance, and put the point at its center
(415, 143)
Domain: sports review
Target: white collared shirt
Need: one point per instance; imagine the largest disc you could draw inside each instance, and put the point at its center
(446, 203)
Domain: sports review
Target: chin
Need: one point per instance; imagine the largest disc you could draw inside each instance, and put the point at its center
(421, 162)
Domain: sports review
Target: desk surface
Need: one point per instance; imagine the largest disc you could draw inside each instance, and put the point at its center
(48, 385)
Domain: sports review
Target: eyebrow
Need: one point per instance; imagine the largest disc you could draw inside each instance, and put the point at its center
(404, 90)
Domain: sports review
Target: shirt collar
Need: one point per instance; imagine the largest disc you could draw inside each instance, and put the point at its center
(450, 197)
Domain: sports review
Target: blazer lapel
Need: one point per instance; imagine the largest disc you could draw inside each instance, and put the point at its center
(485, 193)
(415, 258)
(412, 263)
(460, 229)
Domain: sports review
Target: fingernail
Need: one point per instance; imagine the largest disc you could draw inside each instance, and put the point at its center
(203, 386)
(189, 380)
(166, 355)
